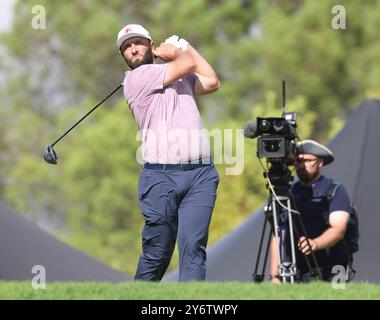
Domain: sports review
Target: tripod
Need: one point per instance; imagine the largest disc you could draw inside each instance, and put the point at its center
(279, 214)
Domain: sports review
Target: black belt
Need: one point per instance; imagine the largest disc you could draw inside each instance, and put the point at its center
(179, 166)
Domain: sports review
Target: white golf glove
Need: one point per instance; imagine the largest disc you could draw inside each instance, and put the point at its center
(178, 42)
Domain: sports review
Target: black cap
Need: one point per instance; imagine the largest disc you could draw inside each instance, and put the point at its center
(313, 147)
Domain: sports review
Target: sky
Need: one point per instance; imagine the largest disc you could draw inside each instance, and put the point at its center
(6, 14)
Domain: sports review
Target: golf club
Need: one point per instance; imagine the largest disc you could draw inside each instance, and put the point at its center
(50, 155)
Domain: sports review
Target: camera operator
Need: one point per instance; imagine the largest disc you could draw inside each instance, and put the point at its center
(325, 220)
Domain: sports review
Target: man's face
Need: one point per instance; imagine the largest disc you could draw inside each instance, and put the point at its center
(137, 51)
(308, 167)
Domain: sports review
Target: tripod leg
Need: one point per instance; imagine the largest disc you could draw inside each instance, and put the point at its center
(260, 277)
(287, 269)
(278, 239)
(290, 220)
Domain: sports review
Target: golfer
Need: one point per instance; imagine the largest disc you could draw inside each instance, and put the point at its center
(178, 185)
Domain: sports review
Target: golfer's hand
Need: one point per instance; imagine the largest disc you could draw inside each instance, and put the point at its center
(178, 42)
(304, 247)
(166, 52)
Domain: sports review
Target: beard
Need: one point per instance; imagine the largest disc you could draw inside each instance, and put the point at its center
(307, 177)
(147, 59)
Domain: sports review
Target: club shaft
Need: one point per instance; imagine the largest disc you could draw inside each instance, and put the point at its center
(283, 96)
(85, 116)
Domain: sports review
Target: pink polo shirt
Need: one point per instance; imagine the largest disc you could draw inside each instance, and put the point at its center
(168, 118)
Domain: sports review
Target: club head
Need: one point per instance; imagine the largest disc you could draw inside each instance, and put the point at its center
(50, 156)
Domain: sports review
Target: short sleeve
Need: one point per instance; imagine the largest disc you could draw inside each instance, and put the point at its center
(142, 82)
(340, 201)
(191, 81)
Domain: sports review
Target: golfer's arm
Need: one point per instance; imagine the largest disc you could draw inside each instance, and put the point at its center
(207, 81)
(181, 66)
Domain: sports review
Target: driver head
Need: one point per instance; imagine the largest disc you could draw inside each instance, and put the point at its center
(50, 156)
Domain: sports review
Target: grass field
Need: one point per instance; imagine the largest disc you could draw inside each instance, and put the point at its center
(187, 291)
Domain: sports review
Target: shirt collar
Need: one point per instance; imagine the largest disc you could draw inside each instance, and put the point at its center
(317, 187)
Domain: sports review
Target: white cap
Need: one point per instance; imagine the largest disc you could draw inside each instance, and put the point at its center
(129, 31)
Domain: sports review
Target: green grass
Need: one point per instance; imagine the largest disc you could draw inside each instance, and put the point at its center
(186, 291)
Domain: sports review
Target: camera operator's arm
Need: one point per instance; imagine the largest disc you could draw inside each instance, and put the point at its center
(273, 268)
(338, 223)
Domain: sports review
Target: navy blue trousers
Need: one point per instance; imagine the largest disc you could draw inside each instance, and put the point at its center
(176, 202)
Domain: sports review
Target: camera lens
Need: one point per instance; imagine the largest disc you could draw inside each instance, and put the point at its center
(264, 125)
(272, 146)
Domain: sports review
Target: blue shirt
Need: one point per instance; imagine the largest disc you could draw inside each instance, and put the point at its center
(315, 209)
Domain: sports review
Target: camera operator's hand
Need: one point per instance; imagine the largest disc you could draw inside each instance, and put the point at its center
(306, 246)
(178, 42)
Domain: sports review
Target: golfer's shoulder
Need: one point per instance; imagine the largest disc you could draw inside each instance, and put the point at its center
(144, 79)
(144, 71)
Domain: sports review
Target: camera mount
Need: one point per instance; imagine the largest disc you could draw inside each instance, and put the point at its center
(277, 143)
